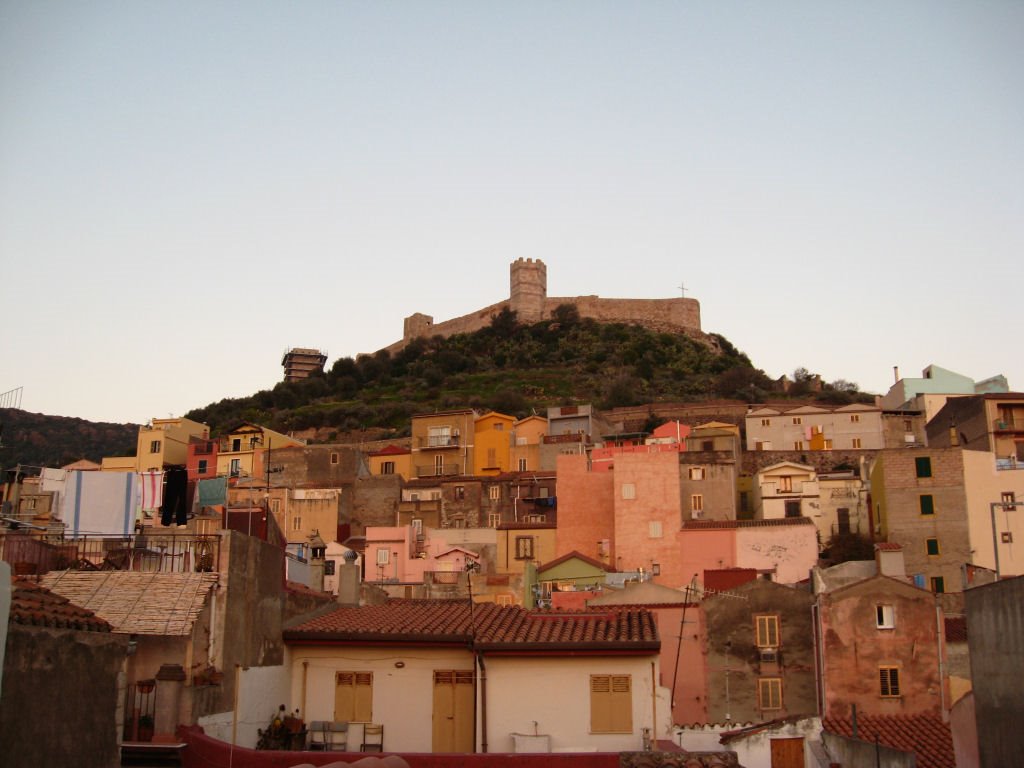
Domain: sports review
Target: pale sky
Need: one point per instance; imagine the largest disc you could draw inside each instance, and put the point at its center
(189, 188)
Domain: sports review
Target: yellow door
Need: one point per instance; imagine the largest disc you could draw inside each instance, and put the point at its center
(453, 711)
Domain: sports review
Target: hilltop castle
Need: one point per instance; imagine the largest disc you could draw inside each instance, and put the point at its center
(528, 298)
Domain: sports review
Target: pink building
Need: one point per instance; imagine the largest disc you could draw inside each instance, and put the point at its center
(392, 555)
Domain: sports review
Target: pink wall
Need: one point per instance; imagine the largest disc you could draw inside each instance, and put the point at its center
(655, 481)
(854, 649)
(706, 549)
(689, 700)
(586, 512)
(603, 459)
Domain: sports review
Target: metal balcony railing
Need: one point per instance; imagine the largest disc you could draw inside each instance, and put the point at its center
(439, 441)
(36, 552)
(437, 470)
(1009, 424)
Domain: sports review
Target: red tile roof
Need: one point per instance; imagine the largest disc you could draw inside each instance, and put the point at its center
(926, 736)
(724, 579)
(497, 628)
(575, 554)
(391, 450)
(956, 629)
(35, 605)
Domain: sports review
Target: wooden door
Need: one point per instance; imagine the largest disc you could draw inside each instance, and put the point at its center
(788, 753)
(453, 722)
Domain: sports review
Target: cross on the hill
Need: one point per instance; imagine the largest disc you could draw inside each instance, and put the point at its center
(682, 287)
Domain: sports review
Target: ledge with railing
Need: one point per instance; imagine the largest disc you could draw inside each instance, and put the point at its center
(436, 470)
(36, 553)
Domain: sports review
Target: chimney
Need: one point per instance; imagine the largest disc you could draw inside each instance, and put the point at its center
(889, 559)
(896, 373)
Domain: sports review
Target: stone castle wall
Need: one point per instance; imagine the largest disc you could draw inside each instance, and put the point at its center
(529, 300)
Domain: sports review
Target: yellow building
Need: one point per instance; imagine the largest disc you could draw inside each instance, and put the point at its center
(161, 443)
(392, 460)
(442, 443)
(527, 435)
(492, 443)
(243, 448)
(522, 543)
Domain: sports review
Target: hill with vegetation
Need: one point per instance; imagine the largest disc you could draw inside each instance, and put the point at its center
(38, 440)
(516, 369)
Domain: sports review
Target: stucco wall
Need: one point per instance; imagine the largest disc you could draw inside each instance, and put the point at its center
(855, 648)
(586, 510)
(515, 702)
(402, 696)
(261, 691)
(995, 634)
(61, 692)
(646, 524)
(731, 650)
(790, 551)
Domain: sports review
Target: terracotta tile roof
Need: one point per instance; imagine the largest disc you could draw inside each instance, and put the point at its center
(578, 556)
(956, 629)
(497, 628)
(34, 605)
(724, 579)
(137, 603)
(697, 525)
(926, 736)
(391, 450)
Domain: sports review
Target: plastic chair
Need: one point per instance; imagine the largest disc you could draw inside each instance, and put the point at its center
(318, 735)
(373, 738)
(337, 737)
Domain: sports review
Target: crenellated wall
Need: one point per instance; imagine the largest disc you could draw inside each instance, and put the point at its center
(529, 300)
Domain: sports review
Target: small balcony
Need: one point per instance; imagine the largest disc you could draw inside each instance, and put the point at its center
(1014, 423)
(439, 441)
(572, 437)
(437, 470)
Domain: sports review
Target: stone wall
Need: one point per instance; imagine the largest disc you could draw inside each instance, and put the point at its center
(61, 697)
(529, 300)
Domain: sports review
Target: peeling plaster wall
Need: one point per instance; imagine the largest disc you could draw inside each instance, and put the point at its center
(790, 551)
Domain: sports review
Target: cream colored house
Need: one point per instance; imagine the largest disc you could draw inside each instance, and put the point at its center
(411, 666)
(786, 489)
(527, 436)
(243, 449)
(442, 443)
(814, 428)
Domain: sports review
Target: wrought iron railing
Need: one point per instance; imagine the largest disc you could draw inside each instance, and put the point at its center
(36, 553)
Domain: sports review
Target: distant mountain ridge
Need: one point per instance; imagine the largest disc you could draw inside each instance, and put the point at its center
(39, 440)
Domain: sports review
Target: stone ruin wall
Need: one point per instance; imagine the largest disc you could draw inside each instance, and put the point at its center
(528, 298)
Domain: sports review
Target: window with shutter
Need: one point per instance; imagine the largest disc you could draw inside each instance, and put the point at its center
(769, 693)
(767, 631)
(353, 697)
(889, 682)
(611, 704)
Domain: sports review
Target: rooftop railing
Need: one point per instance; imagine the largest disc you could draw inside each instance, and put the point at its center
(37, 553)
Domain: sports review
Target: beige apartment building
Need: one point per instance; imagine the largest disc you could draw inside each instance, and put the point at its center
(442, 443)
(814, 428)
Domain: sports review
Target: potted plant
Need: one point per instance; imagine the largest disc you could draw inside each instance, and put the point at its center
(145, 729)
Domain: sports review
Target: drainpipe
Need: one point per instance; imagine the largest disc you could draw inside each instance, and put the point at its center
(483, 702)
(305, 676)
(654, 707)
(940, 634)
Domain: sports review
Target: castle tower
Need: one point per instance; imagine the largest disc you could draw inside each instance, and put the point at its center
(529, 289)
